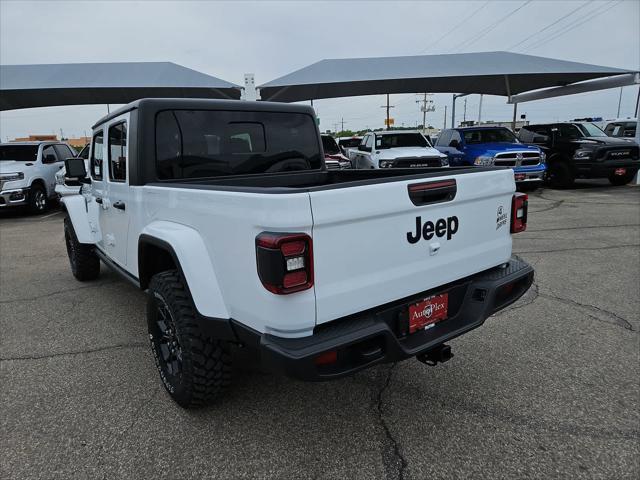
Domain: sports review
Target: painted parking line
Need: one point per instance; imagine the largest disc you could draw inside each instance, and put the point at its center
(51, 215)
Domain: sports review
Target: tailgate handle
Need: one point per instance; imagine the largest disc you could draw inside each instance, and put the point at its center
(432, 192)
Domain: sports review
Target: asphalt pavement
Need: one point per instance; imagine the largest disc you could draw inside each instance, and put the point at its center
(549, 388)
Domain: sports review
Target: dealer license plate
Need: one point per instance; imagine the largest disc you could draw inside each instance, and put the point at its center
(620, 171)
(426, 313)
(520, 177)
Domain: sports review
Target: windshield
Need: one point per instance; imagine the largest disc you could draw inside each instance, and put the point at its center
(329, 145)
(350, 142)
(401, 140)
(590, 130)
(204, 143)
(19, 153)
(489, 135)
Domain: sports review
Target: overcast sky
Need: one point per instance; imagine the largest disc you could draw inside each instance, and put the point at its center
(270, 39)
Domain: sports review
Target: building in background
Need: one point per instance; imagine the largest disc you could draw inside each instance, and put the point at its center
(78, 143)
(37, 138)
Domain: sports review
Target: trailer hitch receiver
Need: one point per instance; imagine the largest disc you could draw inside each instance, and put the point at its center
(440, 354)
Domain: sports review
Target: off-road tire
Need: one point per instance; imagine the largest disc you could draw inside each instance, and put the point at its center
(197, 370)
(37, 199)
(85, 264)
(619, 180)
(559, 175)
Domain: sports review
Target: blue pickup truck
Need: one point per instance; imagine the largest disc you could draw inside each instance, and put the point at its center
(483, 146)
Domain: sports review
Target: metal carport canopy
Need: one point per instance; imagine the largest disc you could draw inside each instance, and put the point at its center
(26, 86)
(492, 73)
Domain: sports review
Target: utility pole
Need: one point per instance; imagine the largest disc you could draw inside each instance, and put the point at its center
(427, 106)
(342, 130)
(387, 106)
(480, 110)
(444, 125)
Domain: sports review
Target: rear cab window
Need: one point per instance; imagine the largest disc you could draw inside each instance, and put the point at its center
(212, 143)
(118, 152)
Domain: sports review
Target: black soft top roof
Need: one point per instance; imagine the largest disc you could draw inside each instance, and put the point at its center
(205, 104)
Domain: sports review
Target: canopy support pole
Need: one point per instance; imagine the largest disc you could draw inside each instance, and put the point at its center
(480, 110)
(636, 180)
(513, 122)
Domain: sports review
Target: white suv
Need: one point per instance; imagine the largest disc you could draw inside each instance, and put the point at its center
(27, 173)
(397, 149)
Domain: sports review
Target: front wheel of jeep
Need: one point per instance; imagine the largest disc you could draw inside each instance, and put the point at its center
(194, 368)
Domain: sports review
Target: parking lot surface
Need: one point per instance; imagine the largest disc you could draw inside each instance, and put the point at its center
(548, 388)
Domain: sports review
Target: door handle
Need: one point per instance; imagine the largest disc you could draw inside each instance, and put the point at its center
(119, 205)
(99, 200)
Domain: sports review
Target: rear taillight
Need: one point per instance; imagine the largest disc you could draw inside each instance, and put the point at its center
(519, 207)
(285, 261)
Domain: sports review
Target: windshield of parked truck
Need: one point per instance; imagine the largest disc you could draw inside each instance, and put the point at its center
(489, 135)
(19, 153)
(205, 143)
(329, 145)
(350, 142)
(590, 130)
(395, 140)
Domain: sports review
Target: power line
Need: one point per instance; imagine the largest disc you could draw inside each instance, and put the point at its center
(456, 27)
(491, 27)
(573, 26)
(550, 25)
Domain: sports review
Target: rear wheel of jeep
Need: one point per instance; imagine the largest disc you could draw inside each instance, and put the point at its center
(621, 179)
(559, 175)
(194, 368)
(85, 264)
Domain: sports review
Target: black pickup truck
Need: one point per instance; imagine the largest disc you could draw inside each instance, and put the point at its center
(582, 150)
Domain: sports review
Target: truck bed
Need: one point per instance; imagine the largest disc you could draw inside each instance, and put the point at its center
(313, 181)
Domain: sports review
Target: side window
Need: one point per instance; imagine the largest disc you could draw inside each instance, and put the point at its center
(568, 131)
(369, 141)
(49, 155)
(97, 155)
(118, 152)
(443, 138)
(63, 152)
(455, 135)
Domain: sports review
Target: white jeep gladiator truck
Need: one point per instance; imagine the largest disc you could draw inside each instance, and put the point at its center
(27, 173)
(397, 149)
(223, 212)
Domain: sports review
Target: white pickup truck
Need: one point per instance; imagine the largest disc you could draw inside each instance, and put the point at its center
(225, 214)
(396, 149)
(27, 173)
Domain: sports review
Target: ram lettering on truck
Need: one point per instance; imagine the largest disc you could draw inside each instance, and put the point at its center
(225, 214)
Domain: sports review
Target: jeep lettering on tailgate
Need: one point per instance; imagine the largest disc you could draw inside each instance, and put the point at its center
(440, 228)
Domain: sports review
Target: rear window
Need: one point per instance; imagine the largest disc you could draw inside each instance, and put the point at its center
(204, 143)
(19, 153)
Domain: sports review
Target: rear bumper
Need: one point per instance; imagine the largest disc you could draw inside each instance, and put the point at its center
(380, 334)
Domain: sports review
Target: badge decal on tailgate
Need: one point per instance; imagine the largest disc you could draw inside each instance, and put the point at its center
(428, 312)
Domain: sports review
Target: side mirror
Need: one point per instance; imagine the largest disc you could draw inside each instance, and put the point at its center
(364, 148)
(76, 170)
(49, 158)
(454, 144)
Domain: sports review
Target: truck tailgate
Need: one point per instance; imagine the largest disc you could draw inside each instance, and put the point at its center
(363, 256)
